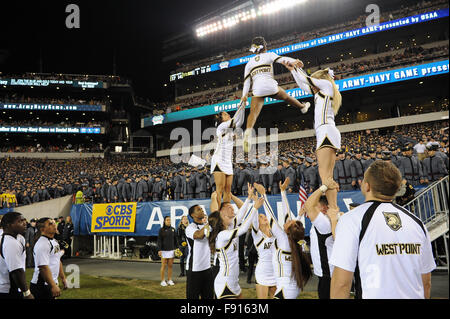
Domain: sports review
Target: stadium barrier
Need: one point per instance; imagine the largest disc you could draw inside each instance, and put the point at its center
(50, 208)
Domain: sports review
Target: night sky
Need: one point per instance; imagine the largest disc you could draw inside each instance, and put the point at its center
(133, 29)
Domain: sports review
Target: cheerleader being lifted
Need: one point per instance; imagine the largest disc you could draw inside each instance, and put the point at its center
(259, 77)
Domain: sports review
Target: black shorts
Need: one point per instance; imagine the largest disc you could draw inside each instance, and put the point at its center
(200, 284)
(41, 291)
(324, 287)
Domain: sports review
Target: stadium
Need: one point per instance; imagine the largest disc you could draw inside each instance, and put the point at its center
(117, 130)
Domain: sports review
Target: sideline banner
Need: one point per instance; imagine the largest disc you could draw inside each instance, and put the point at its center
(117, 217)
(112, 219)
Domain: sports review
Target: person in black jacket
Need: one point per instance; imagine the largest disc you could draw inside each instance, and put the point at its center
(182, 241)
(252, 255)
(167, 243)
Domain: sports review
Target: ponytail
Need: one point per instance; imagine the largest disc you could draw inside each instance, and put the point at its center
(301, 264)
(215, 221)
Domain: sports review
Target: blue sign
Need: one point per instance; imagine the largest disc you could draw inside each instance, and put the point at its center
(385, 26)
(50, 130)
(359, 82)
(150, 215)
(51, 107)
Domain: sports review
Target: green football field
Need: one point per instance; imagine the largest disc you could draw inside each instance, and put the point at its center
(118, 288)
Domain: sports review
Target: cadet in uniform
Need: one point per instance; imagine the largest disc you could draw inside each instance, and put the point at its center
(410, 167)
(434, 166)
(357, 170)
(342, 172)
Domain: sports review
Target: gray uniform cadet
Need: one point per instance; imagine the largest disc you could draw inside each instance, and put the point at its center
(343, 173)
(410, 167)
(310, 175)
(290, 172)
(189, 186)
(178, 180)
(200, 184)
(357, 169)
(434, 166)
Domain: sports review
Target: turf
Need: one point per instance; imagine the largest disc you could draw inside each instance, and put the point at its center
(119, 288)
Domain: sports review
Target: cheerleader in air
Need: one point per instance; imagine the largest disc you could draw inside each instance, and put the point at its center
(291, 265)
(222, 159)
(327, 100)
(259, 76)
(223, 242)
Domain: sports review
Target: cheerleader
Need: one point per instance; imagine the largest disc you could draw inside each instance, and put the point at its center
(259, 76)
(327, 100)
(263, 240)
(291, 265)
(222, 241)
(222, 160)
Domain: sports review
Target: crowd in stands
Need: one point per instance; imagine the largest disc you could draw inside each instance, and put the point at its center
(420, 7)
(121, 178)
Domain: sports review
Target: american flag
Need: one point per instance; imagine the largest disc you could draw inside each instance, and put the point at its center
(302, 195)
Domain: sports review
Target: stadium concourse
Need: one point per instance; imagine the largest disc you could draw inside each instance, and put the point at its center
(99, 151)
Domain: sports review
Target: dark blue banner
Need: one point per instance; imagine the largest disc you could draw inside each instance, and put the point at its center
(150, 215)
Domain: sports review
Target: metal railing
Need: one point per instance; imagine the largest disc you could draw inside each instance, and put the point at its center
(431, 206)
(432, 201)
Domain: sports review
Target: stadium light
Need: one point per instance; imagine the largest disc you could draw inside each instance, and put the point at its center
(229, 21)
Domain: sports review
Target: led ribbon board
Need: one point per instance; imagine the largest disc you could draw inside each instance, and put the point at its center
(353, 83)
(51, 107)
(53, 83)
(385, 26)
(51, 130)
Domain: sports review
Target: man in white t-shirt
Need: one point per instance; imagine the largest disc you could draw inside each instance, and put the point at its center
(200, 281)
(47, 260)
(385, 247)
(13, 283)
(420, 149)
(321, 235)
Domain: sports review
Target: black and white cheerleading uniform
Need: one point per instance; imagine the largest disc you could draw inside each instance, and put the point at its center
(327, 134)
(287, 287)
(259, 74)
(264, 273)
(321, 248)
(12, 257)
(46, 253)
(222, 158)
(387, 248)
(226, 283)
(198, 265)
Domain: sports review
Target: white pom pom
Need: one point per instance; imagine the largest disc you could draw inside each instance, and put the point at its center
(331, 73)
(306, 107)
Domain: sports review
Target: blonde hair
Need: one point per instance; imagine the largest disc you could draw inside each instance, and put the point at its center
(337, 97)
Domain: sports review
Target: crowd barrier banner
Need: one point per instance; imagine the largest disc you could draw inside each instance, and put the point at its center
(149, 216)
